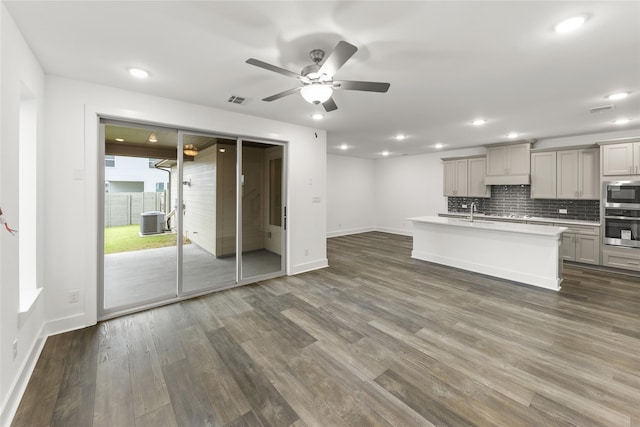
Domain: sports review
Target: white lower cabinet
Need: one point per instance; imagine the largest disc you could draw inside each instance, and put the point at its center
(620, 257)
(581, 243)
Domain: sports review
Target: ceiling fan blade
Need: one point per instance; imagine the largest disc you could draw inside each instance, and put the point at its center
(365, 86)
(329, 105)
(275, 69)
(336, 59)
(282, 94)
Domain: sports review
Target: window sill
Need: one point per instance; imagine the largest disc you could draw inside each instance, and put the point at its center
(27, 302)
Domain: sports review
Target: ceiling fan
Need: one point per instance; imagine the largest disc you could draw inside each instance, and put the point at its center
(317, 80)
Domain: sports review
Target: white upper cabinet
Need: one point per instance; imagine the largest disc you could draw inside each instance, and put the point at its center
(543, 175)
(464, 177)
(589, 174)
(621, 159)
(477, 171)
(566, 174)
(508, 164)
(455, 178)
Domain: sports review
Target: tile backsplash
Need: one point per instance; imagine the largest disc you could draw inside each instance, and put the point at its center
(516, 200)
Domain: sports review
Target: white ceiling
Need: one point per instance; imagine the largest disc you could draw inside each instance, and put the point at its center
(448, 62)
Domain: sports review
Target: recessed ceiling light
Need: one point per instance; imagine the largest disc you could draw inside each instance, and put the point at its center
(570, 24)
(139, 73)
(622, 121)
(222, 150)
(317, 116)
(385, 153)
(344, 147)
(120, 139)
(400, 137)
(513, 134)
(439, 145)
(618, 96)
(479, 122)
(153, 138)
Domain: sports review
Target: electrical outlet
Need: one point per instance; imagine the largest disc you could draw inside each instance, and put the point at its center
(562, 211)
(74, 296)
(15, 348)
(464, 206)
(306, 252)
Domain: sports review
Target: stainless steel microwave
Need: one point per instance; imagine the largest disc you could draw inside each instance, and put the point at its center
(621, 194)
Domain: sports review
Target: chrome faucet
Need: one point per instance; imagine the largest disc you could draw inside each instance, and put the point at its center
(471, 209)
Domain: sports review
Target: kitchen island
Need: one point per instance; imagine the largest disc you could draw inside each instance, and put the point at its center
(525, 253)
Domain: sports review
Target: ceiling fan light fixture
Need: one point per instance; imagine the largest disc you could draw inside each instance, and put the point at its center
(190, 150)
(316, 93)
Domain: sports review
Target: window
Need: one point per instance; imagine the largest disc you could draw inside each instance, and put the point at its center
(28, 265)
(109, 161)
(159, 187)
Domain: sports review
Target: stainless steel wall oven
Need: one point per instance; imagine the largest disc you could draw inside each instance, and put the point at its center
(622, 227)
(621, 200)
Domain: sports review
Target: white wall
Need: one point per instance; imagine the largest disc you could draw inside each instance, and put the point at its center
(18, 66)
(350, 195)
(410, 186)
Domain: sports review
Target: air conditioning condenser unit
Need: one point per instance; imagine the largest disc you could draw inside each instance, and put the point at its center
(151, 223)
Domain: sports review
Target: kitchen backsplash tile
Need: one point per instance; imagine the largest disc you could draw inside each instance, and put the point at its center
(516, 200)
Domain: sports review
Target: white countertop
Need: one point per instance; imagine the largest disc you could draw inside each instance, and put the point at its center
(524, 218)
(486, 224)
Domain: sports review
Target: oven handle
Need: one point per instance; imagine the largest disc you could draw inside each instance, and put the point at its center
(627, 218)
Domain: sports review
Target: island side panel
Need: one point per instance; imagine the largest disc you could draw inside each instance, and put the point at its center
(521, 257)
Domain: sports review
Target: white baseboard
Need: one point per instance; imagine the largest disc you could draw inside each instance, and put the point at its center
(338, 233)
(400, 231)
(310, 266)
(17, 389)
(66, 324)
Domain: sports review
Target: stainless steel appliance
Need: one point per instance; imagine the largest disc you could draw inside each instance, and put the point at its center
(621, 194)
(622, 227)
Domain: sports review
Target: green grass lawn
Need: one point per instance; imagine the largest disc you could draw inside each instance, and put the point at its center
(127, 238)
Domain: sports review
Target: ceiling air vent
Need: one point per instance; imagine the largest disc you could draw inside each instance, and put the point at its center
(236, 99)
(601, 109)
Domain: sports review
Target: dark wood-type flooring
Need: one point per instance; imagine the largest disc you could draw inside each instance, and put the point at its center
(376, 339)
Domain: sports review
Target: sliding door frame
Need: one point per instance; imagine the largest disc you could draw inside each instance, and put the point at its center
(102, 313)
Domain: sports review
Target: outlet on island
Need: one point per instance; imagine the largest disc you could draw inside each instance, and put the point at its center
(464, 206)
(562, 211)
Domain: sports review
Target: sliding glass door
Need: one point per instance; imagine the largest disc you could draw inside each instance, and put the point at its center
(209, 212)
(186, 213)
(262, 210)
(139, 247)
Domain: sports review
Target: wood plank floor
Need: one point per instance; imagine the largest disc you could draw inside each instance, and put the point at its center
(376, 339)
